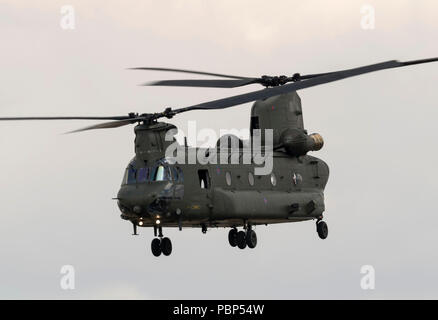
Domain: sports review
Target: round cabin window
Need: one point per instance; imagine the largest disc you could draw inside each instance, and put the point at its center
(296, 178)
(228, 178)
(250, 178)
(273, 179)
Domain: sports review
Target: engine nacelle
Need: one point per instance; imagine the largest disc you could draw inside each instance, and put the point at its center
(297, 143)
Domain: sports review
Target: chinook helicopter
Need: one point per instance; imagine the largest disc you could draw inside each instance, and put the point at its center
(158, 192)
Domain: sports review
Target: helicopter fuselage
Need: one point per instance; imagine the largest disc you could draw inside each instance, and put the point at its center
(223, 195)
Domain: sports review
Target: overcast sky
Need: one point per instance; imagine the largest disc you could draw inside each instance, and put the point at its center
(379, 129)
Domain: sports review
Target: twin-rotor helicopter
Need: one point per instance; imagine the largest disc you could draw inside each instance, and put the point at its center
(160, 193)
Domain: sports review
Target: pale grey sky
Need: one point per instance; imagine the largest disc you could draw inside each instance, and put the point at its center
(380, 133)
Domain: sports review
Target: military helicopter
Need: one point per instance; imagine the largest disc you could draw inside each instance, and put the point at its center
(157, 192)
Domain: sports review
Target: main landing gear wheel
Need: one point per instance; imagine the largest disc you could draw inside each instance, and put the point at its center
(166, 246)
(161, 246)
(322, 229)
(156, 247)
(241, 239)
(232, 237)
(251, 239)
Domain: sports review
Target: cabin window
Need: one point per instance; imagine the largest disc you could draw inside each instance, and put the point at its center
(142, 175)
(228, 178)
(273, 179)
(204, 179)
(250, 178)
(296, 178)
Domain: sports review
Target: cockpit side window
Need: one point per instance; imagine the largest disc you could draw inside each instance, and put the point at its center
(161, 173)
(125, 177)
(159, 176)
(177, 174)
(130, 175)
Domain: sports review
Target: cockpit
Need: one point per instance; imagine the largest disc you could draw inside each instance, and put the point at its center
(161, 171)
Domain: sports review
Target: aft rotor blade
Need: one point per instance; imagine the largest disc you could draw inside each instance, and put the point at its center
(109, 125)
(400, 64)
(189, 71)
(204, 83)
(270, 92)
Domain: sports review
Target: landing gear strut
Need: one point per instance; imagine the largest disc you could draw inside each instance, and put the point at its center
(161, 245)
(134, 226)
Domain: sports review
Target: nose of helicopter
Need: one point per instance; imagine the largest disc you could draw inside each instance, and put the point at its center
(138, 200)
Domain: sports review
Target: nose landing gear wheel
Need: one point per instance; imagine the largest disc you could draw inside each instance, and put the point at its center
(232, 237)
(322, 229)
(241, 239)
(251, 239)
(166, 246)
(156, 247)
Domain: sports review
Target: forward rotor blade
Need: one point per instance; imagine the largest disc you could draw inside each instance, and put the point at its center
(189, 71)
(204, 83)
(270, 92)
(412, 62)
(63, 118)
(118, 121)
(108, 125)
